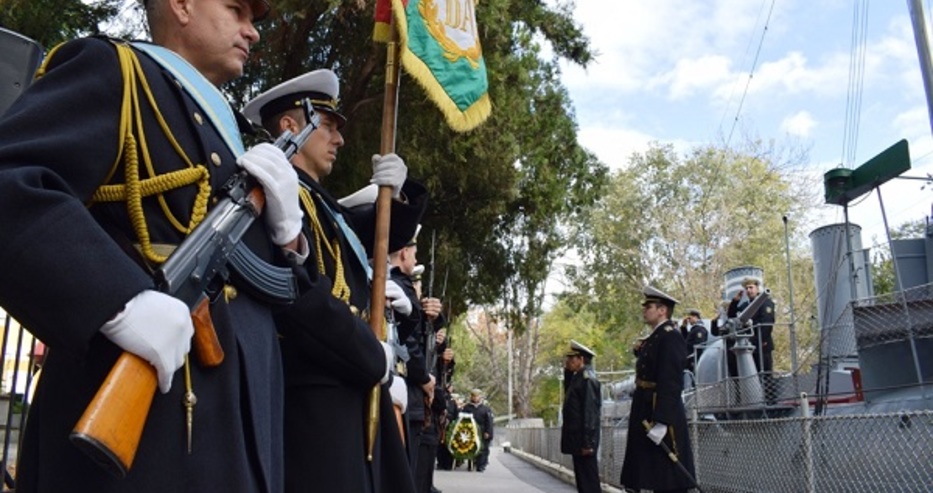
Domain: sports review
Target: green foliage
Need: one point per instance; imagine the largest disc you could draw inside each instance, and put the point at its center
(51, 22)
(499, 192)
(681, 222)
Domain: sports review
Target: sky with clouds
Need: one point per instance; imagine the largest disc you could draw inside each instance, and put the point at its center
(691, 73)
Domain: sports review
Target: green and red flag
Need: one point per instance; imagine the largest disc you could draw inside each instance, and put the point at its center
(439, 45)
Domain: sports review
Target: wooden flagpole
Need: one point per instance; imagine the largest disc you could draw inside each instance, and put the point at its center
(383, 208)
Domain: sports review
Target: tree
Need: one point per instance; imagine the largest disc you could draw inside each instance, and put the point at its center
(519, 170)
(680, 223)
(51, 22)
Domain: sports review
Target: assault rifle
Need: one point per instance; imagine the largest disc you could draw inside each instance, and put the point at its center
(111, 426)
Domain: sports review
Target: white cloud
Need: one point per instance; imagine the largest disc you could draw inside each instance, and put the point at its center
(799, 124)
(613, 146)
(689, 77)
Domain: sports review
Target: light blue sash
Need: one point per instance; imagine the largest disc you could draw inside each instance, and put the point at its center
(208, 97)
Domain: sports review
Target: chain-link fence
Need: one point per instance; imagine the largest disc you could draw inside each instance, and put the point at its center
(891, 452)
(756, 433)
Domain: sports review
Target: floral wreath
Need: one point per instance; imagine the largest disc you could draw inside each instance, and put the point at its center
(463, 438)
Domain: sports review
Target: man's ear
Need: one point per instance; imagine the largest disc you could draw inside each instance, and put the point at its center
(286, 122)
(180, 10)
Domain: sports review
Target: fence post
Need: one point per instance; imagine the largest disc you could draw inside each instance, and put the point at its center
(695, 438)
(809, 480)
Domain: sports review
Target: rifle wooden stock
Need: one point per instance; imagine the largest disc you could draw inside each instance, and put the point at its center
(112, 424)
(206, 345)
(110, 428)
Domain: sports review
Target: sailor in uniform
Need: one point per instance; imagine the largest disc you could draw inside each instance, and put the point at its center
(148, 121)
(579, 435)
(331, 356)
(657, 400)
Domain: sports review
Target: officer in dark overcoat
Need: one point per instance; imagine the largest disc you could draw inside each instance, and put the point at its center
(76, 264)
(331, 356)
(579, 435)
(657, 400)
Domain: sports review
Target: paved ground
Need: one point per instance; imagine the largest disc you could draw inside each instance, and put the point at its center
(505, 473)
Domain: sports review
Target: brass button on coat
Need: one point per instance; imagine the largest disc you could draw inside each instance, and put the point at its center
(198, 118)
(215, 158)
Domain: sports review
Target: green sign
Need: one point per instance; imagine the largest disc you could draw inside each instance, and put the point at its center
(842, 185)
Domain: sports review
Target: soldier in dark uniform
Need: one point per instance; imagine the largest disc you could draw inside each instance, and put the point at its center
(482, 414)
(76, 258)
(695, 334)
(762, 323)
(412, 332)
(331, 356)
(579, 435)
(762, 326)
(440, 361)
(657, 400)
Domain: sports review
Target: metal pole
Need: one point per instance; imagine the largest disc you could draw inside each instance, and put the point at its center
(509, 331)
(918, 19)
(807, 420)
(793, 313)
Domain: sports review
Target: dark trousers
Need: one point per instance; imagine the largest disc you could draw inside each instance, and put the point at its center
(482, 460)
(424, 475)
(586, 473)
(415, 429)
(445, 461)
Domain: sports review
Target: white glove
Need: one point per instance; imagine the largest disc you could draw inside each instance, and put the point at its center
(279, 181)
(390, 171)
(390, 360)
(157, 328)
(397, 298)
(657, 433)
(399, 392)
